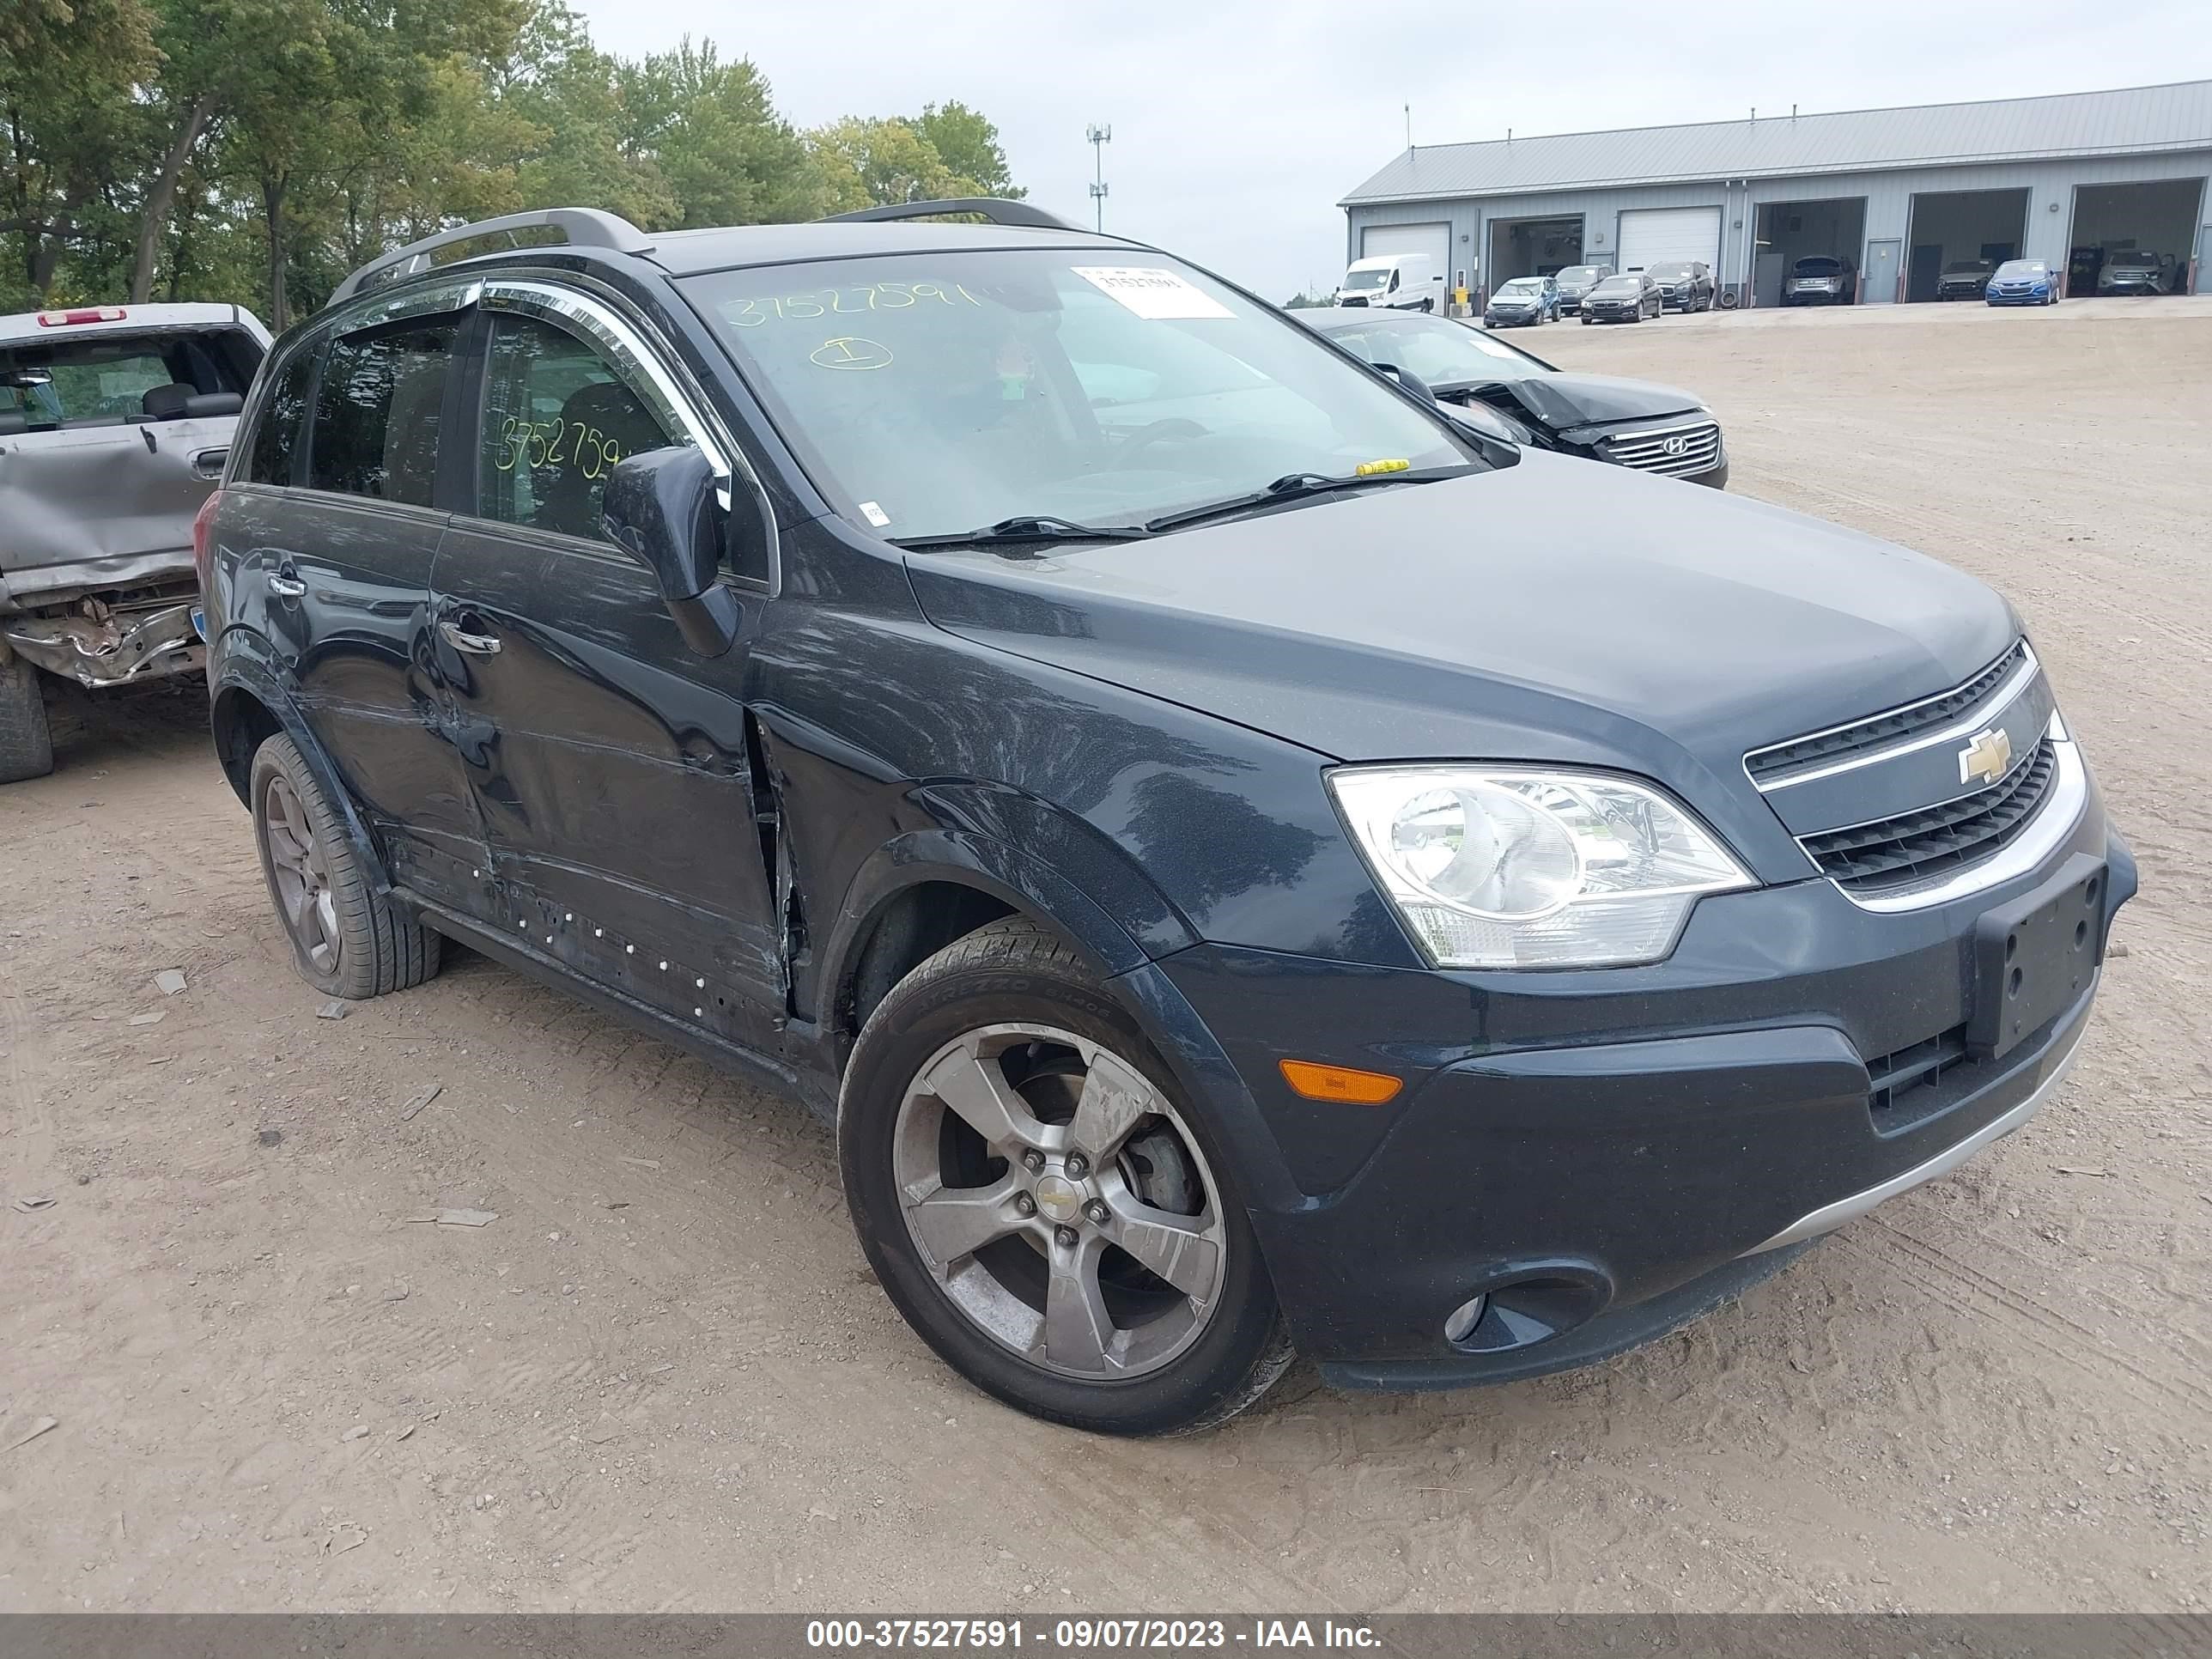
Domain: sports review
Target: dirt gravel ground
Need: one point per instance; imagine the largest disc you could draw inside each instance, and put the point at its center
(663, 1379)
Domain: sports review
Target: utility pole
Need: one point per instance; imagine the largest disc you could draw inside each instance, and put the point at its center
(1099, 137)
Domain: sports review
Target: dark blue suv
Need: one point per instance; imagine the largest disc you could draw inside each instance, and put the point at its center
(1248, 864)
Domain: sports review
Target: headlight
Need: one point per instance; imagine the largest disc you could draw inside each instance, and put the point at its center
(1512, 867)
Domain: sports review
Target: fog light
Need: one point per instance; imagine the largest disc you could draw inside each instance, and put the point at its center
(1464, 1318)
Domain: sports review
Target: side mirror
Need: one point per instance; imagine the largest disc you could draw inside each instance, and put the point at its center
(1413, 383)
(660, 508)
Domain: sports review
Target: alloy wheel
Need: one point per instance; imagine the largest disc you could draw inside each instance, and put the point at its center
(302, 875)
(1059, 1201)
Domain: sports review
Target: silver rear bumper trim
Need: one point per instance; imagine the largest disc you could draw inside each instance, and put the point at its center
(1829, 1217)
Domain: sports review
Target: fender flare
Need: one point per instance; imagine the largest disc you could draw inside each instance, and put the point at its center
(1131, 972)
(1015, 879)
(246, 672)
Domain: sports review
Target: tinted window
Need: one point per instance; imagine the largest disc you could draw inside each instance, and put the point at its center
(1820, 266)
(556, 421)
(277, 431)
(377, 411)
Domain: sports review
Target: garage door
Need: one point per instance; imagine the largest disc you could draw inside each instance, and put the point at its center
(1435, 240)
(1652, 236)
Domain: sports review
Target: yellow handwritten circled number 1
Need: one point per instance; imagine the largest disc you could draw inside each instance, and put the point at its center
(849, 351)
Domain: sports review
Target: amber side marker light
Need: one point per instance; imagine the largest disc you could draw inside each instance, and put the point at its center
(1340, 1083)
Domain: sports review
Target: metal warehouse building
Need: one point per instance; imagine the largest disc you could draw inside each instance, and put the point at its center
(1900, 192)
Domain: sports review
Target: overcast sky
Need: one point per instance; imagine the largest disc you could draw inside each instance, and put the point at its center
(1238, 125)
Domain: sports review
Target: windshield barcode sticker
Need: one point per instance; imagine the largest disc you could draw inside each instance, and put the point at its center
(1151, 292)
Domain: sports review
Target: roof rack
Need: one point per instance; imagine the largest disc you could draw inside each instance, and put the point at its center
(580, 226)
(995, 208)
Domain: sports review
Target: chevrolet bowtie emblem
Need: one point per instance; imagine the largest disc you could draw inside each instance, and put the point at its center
(1987, 757)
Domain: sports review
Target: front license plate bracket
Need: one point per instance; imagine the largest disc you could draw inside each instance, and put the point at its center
(2035, 956)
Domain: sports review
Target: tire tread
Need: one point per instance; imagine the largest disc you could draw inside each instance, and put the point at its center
(26, 739)
(387, 950)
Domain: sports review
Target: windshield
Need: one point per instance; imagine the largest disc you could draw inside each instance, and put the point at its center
(933, 394)
(1822, 266)
(1523, 285)
(1359, 279)
(2021, 268)
(1666, 273)
(1619, 285)
(1580, 275)
(2135, 259)
(1440, 351)
(1965, 268)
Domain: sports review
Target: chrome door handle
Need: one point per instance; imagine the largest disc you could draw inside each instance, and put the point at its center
(288, 587)
(477, 645)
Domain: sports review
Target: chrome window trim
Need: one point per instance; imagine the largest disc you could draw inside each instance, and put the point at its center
(2046, 832)
(648, 370)
(1999, 702)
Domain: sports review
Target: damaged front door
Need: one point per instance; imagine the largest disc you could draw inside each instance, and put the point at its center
(610, 760)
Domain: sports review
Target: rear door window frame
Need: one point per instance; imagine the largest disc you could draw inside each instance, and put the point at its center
(456, 299)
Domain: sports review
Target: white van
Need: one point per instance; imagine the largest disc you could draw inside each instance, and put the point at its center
(1407, 281)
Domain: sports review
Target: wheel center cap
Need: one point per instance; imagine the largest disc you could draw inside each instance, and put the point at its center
(1059, 1198)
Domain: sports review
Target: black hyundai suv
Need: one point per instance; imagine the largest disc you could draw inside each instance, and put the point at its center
(1247, 865)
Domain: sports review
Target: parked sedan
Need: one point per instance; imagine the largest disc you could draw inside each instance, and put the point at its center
(1633, 423)
(1684, 284)
(1629, 298)
(2024, 283)
(2133, 271)
(1521, 302)
(1964, 279)
(1575, 281)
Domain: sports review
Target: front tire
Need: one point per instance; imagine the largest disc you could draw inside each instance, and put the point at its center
(1041, 1203)
(348, 940)
(26, 741)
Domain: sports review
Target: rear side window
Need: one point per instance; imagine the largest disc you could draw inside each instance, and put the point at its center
(377, 412)
(276, 433)
(556, 421)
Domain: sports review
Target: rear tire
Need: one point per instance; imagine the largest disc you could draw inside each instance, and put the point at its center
(990, 1070)
(26, 741)
(348, 940)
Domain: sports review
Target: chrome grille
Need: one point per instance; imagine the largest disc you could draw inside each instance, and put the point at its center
(1676, 451)
(1893, 852)
(1880, 730)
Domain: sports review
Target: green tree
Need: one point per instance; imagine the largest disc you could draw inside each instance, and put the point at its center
(709, 130)
(968, 144)
(68, 68)
(882, 161)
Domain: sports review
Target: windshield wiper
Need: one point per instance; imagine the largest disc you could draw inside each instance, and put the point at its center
(1294, 486)
(1029, 528)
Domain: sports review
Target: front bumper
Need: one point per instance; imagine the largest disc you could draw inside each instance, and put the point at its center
(1603, 1154)
(2036, 296)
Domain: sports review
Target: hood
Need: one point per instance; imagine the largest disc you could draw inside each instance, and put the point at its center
(1562, 402)
(1548, 610)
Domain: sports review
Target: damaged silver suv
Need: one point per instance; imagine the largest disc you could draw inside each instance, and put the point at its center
(115, 421)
